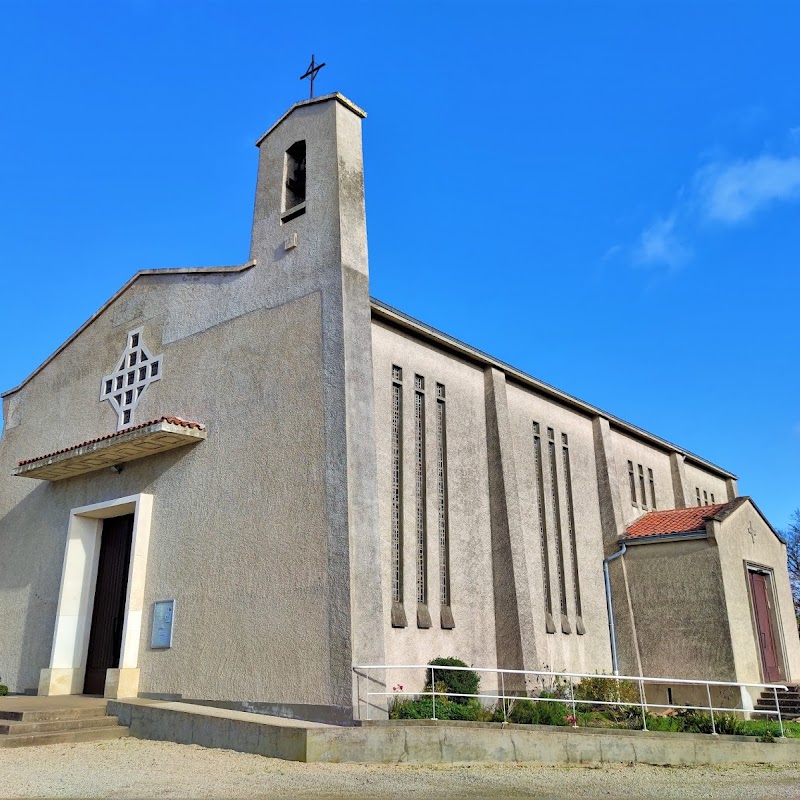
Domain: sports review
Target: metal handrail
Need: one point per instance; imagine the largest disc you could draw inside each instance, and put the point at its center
(569, 678)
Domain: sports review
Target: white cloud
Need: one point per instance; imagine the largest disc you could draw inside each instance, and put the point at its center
(734, 192)
(661, 244)
(727, 192)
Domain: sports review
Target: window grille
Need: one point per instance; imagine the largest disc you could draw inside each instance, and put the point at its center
(441, 477)
(632, 482)
(557, 513)
(397, 484)
(573, 547)
(652, 482)
(126, 384)
(419, 440)
(641, 486)
(539, 476)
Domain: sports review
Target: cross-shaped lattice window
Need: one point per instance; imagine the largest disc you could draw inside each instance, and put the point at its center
(134, 372)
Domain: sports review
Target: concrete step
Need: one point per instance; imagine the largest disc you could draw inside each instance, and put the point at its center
(64, 737)
(52, 714)
(771, 702)
(11, 728)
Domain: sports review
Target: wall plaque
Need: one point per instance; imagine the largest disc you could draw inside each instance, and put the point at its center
(163, 616)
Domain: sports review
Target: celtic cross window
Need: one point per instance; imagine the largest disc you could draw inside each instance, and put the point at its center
(135, 371)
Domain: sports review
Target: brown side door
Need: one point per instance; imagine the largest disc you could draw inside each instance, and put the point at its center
(761, 592)
(105, 638)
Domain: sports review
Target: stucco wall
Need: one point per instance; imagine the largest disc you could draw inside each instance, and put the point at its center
(558, 650)
(274, 360)
(706, 482)
(472, 601)
(626, 448)
(737, 549)
(678, 602)
(238, 535)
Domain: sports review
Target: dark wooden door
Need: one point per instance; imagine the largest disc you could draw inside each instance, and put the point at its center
(105, 638)
(761, 591)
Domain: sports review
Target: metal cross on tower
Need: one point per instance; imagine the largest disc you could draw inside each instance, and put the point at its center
(311, 73)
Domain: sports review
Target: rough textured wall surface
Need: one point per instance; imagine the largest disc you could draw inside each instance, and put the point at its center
(472, 599)
(260, 523)
(745, 539)
(626, 449)
(238, 535)
(678, 601)
(697, 478)
(558, 650)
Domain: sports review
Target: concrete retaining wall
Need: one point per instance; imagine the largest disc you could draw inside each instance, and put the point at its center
(429, 742)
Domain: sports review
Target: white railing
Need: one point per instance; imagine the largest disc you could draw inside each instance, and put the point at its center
(568, 678)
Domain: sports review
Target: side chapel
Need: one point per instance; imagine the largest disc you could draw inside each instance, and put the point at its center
(233, 484)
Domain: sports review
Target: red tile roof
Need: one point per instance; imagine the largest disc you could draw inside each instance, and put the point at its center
(679, 520)
(171, 420)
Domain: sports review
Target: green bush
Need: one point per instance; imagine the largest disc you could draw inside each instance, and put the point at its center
(3, 689)
(456, 681)
(603, 689)
(422, 708)
(537, 712)
(692, 721)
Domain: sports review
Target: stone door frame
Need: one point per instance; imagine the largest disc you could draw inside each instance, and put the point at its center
(66, 672)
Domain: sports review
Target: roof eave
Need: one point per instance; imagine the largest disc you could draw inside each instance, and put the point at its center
(393, 315)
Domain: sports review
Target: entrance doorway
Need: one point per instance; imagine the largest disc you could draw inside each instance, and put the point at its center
(766, 625)
(108, 614)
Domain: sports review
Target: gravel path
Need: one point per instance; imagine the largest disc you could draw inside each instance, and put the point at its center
(133, 768)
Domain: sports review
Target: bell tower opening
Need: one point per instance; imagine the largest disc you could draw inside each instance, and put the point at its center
(294, 185)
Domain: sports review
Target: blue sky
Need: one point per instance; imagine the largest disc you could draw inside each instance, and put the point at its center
(606, 195)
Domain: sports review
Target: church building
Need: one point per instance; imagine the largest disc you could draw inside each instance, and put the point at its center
(235, 484)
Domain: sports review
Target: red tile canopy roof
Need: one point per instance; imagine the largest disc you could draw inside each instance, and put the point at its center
(171, 420)
(679, 520)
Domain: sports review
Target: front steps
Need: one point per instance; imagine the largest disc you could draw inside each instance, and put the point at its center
(788, 702)
(53, 725)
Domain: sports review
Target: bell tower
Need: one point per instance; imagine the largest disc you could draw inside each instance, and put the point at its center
(309, 238)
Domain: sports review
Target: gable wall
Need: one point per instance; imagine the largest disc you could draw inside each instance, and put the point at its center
(737, 548)
(238, 537)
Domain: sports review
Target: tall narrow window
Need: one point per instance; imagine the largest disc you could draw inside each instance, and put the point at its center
(444, 523)
(699, 501)
(652, 487)
(559, 544)
(423, 616)
(705, 497)
(712, 498)
(294, 195)
(641, 486)
(632, 482)
(398, 614)
(573, 547)
(539, 476)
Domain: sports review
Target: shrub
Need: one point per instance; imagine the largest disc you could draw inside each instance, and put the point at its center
(456, 681)
(537, 712)
(691, 721)
(606, 690)
(422, 708)
(3, 689)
